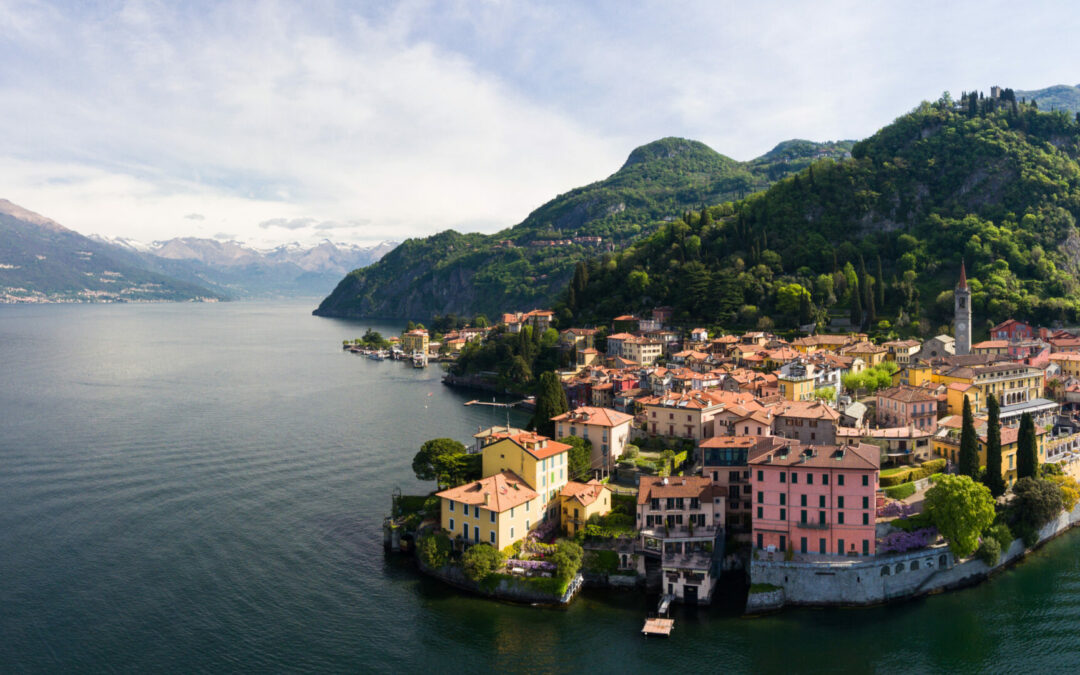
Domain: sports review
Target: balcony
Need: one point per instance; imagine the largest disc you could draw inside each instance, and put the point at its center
(703, 532)
(811, 526)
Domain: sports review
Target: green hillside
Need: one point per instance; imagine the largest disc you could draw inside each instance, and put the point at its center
(1058, 97)
(878, 237)
(472, 273)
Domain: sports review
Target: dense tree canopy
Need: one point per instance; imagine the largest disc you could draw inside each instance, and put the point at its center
(961, 509)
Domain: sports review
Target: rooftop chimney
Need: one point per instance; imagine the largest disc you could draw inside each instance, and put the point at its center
(487, 498)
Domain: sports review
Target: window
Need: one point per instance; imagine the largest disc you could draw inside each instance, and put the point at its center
(783, 477)
(476, 534)
(465, 509)
(809, 479)
(802, 545)
(783, 543)
(840, 518)
(803, 500)
(865, 479)
(840, 502)
(794, 478)
(760, 541)
(761, 476)
(802, 516)
(840, 479)
(512, 529)
(492, 537)
(451, 524)
(760, 497)
(822, 549)
(821, 517)
(451, 505)
(866, 502)
(824, 479)
(840, 546)
(866, 519)
(783, 514)
(760, 513)
(491, 514)
(783, 499)
(821, 501)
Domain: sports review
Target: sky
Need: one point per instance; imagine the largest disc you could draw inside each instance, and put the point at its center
(271, 122)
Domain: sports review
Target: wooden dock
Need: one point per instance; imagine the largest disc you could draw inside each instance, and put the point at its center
(658, 626)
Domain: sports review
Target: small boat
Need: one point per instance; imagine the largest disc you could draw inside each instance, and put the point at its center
(376, 356)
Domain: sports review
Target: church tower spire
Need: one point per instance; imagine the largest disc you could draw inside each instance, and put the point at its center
(962, 313)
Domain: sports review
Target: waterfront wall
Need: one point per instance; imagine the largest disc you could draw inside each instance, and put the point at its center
(881, 579)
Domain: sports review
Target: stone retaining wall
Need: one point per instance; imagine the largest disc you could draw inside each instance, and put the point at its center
(881, 579)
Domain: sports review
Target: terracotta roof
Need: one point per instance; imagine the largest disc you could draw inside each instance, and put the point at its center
(654, 487)
(729, 442)
(907, 394)
(586, 493)
(963, 277)
(991, 344)
(620, 336)
(849, 456)
(540, 447)
(806, 410)
(498, 493)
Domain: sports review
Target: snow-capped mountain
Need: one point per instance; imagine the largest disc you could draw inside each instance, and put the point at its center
(245, 271)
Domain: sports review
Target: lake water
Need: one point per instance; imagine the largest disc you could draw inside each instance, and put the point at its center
(200, 488)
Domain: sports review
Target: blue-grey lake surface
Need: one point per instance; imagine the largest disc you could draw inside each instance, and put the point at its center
(200, 488)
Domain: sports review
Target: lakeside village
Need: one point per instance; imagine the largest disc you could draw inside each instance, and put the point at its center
(824, 470)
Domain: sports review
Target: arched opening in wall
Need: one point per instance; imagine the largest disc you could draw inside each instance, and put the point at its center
(942, 560)
(914, 565)
(885, 571)
(899, 567)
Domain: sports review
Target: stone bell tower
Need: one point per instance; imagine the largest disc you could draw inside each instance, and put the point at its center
(962, 314)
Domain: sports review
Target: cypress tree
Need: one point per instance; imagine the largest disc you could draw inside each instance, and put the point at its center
(871, 308)
(706, 217)
(856, 305)
(969, 444)
(880, 285)
(993, 479)
(1027, 462)
(550, 402)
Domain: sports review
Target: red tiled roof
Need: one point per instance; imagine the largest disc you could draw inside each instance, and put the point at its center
(497, 493)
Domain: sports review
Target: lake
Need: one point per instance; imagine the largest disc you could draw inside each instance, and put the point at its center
(201, 487)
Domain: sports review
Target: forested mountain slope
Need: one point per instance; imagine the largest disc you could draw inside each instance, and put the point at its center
(529, 265)
(878, 237)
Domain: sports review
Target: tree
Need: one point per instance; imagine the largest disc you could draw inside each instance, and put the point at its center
(1035, 503)
(961, 509)
(440, 460)
(881, 285)
(580, 457)
(856, 306)
(480, 561)
(434, 550)
(825, 393)
(1027, 461)
(567, 559)
(479, 321)
(969, 444)
(550, 402)
(992, 477)
(789, 298)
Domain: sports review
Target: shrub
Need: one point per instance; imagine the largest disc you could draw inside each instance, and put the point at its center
(480, 561)
(895, 479)
(912, 523)
(1035, 503)
(989, 551)
(1000, 533)
(600, 561)
(630, 451)
(901, 542)
(434, 550)
(900, 491)
(961, 510)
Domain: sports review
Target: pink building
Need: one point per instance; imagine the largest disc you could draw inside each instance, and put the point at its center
(1011, 329)
(904, 406)
(817, 499)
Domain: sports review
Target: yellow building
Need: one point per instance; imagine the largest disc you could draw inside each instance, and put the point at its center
(541, 462)
(869, 352)
(1068, 362)
(581, 501)
(497, 510)
(415, 341)
(947, 444)
(797, 384)
(1011, 383)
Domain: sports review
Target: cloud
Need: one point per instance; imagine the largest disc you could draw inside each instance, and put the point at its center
(225, 236)
(283, 120)
(287, 223)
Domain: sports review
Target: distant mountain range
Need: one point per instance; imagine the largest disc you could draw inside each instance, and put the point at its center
(241, 271)
(42, 261)
(1057, 97)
